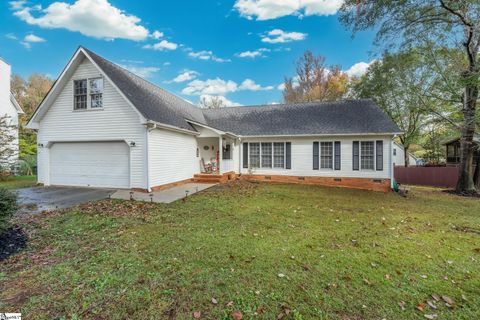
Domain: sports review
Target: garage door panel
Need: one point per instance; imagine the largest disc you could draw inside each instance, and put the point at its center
(95, 164)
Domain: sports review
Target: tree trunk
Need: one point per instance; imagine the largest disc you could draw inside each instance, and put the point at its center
(465, 175)
(405, 156)
(476, 174)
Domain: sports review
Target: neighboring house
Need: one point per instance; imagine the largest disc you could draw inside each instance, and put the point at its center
(399, 156)
(452, 151)
(9, 108)
(102, 126)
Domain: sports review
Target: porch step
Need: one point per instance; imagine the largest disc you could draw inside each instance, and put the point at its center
(207, 178)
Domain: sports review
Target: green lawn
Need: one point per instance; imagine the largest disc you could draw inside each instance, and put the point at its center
(17, 182)
(303, 252)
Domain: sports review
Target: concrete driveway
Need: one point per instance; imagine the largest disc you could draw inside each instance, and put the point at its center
(36, 200)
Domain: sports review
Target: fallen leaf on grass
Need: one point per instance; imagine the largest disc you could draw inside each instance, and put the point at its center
(229, 304)
(214, 301)
(436, 297)
(430, 316)
(197, 315)
(448, 300)
(237, 315)
(420, 307)
(367, 282)
(402, 305)
(388, 276)
(432, 305)
(281, 275)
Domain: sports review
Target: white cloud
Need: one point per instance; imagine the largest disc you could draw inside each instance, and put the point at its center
(227, 103)
(280, 36)
(253, 54)
(166, 63)
(211, 86)
(143, 72)
(358, 69)
(162, 46)
(17, 5)
(186, 75)
(221, 87)
(205, 55)
(29, 39)
(249, 84)
(157, 34)
(272, 9)
(93, 18)
(11, 36)
(33, 38)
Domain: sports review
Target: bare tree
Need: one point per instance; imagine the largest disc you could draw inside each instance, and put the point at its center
(314, 81)
(212, 102)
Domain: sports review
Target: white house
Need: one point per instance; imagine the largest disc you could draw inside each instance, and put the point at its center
(399, 156)
(102, 126)
(9, 110)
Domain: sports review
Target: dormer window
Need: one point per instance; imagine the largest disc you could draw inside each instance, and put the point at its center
(80, 94)
(96, 93)
(88, 94)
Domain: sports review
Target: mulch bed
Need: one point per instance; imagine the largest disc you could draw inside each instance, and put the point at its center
(12, 241)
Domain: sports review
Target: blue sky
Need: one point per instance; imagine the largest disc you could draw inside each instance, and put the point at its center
(238, 49)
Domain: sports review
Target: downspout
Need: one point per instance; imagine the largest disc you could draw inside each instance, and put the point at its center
(391, 162)
(148, 130)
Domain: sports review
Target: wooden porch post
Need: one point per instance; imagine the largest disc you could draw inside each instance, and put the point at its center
(220, 153)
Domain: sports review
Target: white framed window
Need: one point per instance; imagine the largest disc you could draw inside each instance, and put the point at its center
(255, 155)
(266, 154)
(88, 94)
(80, 90)
(367, 155)
(326, 155)
(279, 155)
(96, 93)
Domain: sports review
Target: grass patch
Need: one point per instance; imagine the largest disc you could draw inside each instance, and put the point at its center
(18, 182)
(304, 252)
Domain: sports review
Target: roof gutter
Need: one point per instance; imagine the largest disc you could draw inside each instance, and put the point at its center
(159, 125)
(324, 135)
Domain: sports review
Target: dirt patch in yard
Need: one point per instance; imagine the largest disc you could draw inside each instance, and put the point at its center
(12, 241)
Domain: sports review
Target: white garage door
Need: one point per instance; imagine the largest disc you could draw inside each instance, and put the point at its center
(90, 164)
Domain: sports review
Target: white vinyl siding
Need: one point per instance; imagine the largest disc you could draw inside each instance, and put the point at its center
(117, 120)
(302, 155)
(172, 157)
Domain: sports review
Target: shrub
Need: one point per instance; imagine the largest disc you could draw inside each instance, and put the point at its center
(8, 206)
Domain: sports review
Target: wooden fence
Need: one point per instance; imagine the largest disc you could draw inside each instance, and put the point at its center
(445, 177)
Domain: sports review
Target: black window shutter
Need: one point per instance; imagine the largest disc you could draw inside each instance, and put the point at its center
(356, 153)
(315, 156)
(379, 155)
(288, 155)
(245, 155)
(338, 157)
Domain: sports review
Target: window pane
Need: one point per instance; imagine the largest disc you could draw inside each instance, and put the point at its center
(266, 155)
(80, 102)
(367, 155)
(96, 85)
(279, 155)
(326, 155)
(97, 101)
(254, 155)
(80, 87)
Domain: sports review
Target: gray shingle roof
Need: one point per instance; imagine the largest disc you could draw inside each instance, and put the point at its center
(318, 118)
(151, 101)
(342, 117)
